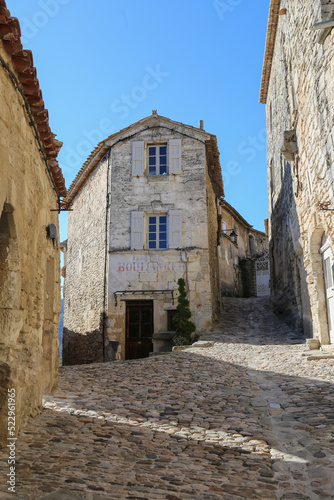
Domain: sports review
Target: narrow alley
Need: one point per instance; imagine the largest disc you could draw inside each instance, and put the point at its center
(247, 417)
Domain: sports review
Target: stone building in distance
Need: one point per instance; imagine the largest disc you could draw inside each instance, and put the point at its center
(244, 257)
(31, 185)
(298, 90)
(145, 213)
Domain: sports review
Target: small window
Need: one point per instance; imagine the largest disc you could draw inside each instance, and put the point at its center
(157, 231)
(224, 227)
(157, 160)
(170, 314)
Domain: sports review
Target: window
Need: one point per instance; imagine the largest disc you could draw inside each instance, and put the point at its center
(224, 227)
(153, 159)
(157, 231)
(157, 160)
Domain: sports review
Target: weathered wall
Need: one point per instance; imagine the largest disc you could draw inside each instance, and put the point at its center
(85, 270)
(160, 269)
(212, 202)
(29, 263)
(237, 278)
(300, 97)
(142, 269)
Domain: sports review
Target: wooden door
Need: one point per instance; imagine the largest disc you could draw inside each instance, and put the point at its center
(139, 329)
(329, 286)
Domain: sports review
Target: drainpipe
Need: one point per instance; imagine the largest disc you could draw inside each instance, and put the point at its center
(104, 314)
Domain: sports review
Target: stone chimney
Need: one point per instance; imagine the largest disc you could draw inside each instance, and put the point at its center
(201, 125)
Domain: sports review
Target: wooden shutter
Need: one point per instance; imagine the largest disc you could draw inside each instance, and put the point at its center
(137, 230)
(174, 156)
(175, 229)
(138, 158)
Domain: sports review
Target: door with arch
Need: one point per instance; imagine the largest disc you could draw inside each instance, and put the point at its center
(327, 259)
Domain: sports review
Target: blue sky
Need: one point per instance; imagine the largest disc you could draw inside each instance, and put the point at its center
(105, 64)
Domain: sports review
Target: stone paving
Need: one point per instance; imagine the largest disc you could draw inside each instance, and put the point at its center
(249, 417)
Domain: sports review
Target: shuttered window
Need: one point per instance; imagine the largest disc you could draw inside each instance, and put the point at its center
(137, 225)
(175, 228)
(161, 158)
(162, 231)
(138, 158)
(174, 154)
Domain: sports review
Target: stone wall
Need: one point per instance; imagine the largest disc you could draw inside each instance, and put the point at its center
(160, 270)
(238, 278)
(194, 258)
(300, 97)
(85, 271)
(213, 240)
(29, 262)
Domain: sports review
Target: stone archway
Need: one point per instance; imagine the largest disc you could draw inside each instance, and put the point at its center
(318, 305)
(10, 288)
(10, 278)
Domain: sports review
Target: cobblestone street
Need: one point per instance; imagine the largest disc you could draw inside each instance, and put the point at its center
(248, 417)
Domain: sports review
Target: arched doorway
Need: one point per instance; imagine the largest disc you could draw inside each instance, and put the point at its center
(10, 278)
(319, 303)
(10, 288)
(327, 264)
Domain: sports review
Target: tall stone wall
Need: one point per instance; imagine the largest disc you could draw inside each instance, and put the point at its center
(300, 97)
(85, 271)
(160, 269)
(29, 263)
(213, 240)
(89, 335)
(237, 275)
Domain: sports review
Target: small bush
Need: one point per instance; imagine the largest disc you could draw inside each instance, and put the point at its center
(184, 328)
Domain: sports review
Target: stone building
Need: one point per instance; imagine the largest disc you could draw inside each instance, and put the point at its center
(145, 213)
(243, 251)
(298, 90)
(31, 184)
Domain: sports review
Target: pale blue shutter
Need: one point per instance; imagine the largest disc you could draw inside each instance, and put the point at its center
(137, 219)
(138, 158)
(174, 156)
(175, 229)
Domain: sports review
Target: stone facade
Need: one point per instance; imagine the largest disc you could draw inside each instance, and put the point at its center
(29, 256)
(114, 200)
(238, 254)
(298, 90)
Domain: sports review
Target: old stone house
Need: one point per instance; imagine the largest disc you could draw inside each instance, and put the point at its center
(31, 184)
(145, 213)
(298, 90)
(244, 256)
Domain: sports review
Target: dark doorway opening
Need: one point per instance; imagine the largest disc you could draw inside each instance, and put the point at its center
(139, 329)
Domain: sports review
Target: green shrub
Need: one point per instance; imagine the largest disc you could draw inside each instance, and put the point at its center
(184, 328)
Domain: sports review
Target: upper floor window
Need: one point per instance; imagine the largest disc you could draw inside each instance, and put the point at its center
(156, 158)
(157, 231)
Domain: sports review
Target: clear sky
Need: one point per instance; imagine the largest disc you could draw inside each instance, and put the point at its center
(105, 64)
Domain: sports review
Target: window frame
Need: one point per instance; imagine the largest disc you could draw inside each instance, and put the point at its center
(157, 232)
(157, 156)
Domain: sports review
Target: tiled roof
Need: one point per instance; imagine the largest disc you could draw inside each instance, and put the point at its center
(232, 211)
(22, 60)
(269, 50)
(102, 148)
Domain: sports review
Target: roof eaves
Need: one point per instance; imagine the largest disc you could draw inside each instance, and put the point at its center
(232, 210)
(22, 61)
(90, 164)
(99, 151)
(215, 170)
(269, 50)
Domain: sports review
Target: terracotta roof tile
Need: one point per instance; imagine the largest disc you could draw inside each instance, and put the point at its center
(269, 50)
(22, 60)
(101, 149)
